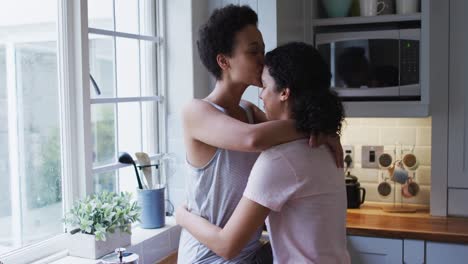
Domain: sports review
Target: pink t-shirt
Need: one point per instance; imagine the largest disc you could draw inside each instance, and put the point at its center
(306, 193)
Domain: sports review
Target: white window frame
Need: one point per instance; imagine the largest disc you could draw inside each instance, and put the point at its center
(75, 116)
(161, 84)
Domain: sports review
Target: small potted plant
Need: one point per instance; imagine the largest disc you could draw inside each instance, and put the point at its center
(100, 223)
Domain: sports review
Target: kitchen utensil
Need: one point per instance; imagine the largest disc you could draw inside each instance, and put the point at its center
(152, 207)
(143, 159)
(125, 158)
(384, 188)
(353, 191)
(120, 257)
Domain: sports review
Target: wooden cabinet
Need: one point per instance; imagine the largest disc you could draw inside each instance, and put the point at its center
(371, 250)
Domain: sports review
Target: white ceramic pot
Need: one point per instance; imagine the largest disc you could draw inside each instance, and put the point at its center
(86, 246)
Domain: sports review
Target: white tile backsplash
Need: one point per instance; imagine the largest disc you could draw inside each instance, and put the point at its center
(402, 135)
(388, 132)
(423, 136)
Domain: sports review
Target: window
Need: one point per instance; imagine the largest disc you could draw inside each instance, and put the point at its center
(30, 155)
(123, 62)
(125, 104)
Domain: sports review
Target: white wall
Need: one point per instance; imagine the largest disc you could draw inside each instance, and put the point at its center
(186, 78)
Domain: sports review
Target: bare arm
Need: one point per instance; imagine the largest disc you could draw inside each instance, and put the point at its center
(259, 115)
(226, 242)
(204, 123)
(332, 141)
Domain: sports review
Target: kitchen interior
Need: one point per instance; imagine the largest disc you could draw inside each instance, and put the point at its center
(399, 67)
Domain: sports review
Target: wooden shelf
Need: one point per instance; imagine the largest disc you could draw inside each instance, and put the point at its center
(365, 20)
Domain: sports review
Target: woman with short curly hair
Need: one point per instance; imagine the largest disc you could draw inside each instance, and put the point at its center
(298, 188)
(224, 135)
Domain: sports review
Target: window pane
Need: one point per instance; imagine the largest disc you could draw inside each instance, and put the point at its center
(5, 205)
(129, 116)
(128, 67)
(30, 158)
(106, 181)
(148, 59)
(103, 131)
(101, 65)
(148, 19)
(39, 140)
(101, 14)
(126, 16)
(127, 179)
(150, 127)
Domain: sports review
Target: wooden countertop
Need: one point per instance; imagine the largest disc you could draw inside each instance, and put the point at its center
(371, 220)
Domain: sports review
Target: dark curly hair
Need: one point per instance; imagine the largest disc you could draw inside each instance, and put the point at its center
(217, 35)
(299, 67)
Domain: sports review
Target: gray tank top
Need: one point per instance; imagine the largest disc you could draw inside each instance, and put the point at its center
(213, 192)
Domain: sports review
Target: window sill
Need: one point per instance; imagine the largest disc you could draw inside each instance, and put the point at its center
(151, 245)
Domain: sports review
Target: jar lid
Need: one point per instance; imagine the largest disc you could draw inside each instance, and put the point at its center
(351, 178)
(120, 257)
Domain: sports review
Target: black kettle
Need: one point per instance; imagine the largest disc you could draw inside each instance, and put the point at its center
(353, 191)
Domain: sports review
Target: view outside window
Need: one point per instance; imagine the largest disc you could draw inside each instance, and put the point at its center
(30, 157)
(123, 63)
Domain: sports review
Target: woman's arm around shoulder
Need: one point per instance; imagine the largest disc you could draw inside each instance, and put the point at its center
(207, 124)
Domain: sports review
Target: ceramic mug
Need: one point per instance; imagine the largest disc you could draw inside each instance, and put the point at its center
(389, 7)
(404, 7)
(371, 7)
(410, 161)
(385, 160)
(384, 188)
(337, 8)
(410, 189)
(400, 175)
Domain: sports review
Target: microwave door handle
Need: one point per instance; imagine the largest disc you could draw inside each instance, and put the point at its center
(326, 38)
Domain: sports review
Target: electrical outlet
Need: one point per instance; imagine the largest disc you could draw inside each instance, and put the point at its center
(348, 151)
(370, 156)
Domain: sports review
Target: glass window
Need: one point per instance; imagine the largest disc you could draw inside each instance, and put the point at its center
(102, 65)
(5, 205)
(101, 14)
(30, 151)
(125, 113)
(124, 106)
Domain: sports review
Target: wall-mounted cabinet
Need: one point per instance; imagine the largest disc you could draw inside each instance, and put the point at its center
(395, 47)
(404, 89)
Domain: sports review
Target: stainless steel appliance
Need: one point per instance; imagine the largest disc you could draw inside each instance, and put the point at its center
(373, 65)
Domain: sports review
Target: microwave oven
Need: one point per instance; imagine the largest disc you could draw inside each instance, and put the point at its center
(380, 65)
